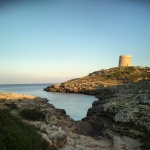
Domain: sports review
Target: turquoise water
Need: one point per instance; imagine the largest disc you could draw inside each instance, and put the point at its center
(76, 105)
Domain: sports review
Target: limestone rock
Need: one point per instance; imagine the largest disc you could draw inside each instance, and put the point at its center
(129, 107)
(51, 133)
(98, 80)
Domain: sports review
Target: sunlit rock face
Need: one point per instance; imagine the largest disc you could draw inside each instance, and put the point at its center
(98, 80)
(123, 104)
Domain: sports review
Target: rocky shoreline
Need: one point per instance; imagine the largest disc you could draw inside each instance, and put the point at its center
(28, 107)
(124, 109)
(119, 120)
(98, 80)
(122, 112)
(58, 129)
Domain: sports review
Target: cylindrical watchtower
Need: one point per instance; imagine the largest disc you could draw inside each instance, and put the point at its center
(124, 60)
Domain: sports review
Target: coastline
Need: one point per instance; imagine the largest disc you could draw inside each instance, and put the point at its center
(79, 102)
(59, 129)
(19, 104)
(123, 106)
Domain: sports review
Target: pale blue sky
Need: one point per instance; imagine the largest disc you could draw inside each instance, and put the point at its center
(56, 40)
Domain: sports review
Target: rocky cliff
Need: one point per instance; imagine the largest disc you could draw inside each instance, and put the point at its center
(124, 109)
(123, 106)
(37, 112)
(57, 128)
(119, 120)
(98, 80)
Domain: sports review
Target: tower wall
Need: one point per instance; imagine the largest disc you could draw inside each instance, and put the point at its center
(124, 60)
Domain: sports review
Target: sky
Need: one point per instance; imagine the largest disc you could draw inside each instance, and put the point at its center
(50, 41)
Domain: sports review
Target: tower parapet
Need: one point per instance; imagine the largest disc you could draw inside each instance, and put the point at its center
(124, 60)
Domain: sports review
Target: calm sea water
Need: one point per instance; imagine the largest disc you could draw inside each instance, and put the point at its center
(76, 105)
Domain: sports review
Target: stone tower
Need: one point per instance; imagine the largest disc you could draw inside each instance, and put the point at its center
(124, 60)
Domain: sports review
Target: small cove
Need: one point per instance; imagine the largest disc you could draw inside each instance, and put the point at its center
(76, 105)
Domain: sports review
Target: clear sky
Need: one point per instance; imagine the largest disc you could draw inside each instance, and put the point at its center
(51, 41)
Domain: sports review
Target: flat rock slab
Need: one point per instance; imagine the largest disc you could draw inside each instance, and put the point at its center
(13, 96)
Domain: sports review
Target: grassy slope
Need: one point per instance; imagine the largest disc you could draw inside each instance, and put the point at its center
(16, 135)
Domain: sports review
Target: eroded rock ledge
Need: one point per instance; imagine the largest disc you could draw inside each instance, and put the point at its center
(98, 80)
(37, 112)
(59, 129)
(122, 111)
(125, 111)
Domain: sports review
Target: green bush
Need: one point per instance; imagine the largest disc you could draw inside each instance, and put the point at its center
(130, 125)
(11, 105)
(16, 135)
(32, 114)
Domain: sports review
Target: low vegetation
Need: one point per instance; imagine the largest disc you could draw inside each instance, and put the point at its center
(131, 125)
(16, 135)
(125, 74)
(32, 114)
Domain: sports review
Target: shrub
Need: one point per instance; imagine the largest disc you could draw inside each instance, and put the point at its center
(130, 125)
(32, 114)
(16, 135)
(2, 100)
(11, 105)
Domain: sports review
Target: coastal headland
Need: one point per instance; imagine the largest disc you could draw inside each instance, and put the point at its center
(119, 120)
(123, 106)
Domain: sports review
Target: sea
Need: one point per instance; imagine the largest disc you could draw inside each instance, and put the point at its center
(75, 105)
